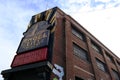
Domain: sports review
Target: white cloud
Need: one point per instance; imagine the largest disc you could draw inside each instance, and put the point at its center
(77, 1)
(104, 24)
(105, 1)
(87, 5)
(99, 7)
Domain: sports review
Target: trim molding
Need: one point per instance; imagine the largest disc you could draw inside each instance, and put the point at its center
(75, 66)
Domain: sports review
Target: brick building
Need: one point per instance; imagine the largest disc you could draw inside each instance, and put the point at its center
(56, 47)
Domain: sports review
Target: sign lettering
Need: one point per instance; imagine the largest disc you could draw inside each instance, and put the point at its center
(33, 42)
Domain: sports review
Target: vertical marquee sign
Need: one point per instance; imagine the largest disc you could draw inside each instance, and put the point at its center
(38, 32)
(34, 45)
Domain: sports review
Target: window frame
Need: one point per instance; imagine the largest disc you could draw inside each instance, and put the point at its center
(118, 62)
(109, 57)
(102, 66)
(78, 34)
(115, 74)
(96, 47)
(80, 52)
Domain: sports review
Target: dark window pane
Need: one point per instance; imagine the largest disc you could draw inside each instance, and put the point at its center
(109, 57)
(78, 34)
(101, 65)
(96, 47)
(78, 78)
(116, 75)
(80, 52)
(118, 63)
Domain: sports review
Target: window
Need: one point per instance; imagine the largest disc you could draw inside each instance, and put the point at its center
(77, 78)
(96, 47)
(109, 57)
(78, 34)
(116, 75)
(101, 65)
(80, 52)
(118, 63)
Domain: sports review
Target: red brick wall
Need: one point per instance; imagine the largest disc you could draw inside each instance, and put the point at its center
(74, 66)
(58, 56)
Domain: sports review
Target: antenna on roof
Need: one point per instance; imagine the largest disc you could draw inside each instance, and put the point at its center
(46, 4)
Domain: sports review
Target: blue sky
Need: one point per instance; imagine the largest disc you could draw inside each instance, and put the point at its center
(96, 16)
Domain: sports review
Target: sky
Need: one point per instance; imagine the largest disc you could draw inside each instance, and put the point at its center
(100, 17)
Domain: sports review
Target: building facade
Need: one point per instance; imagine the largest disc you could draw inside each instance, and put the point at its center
(56, 47)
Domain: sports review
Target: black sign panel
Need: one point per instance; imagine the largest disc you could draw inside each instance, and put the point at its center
(33, 42)
(35, 28)
(35, 37)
